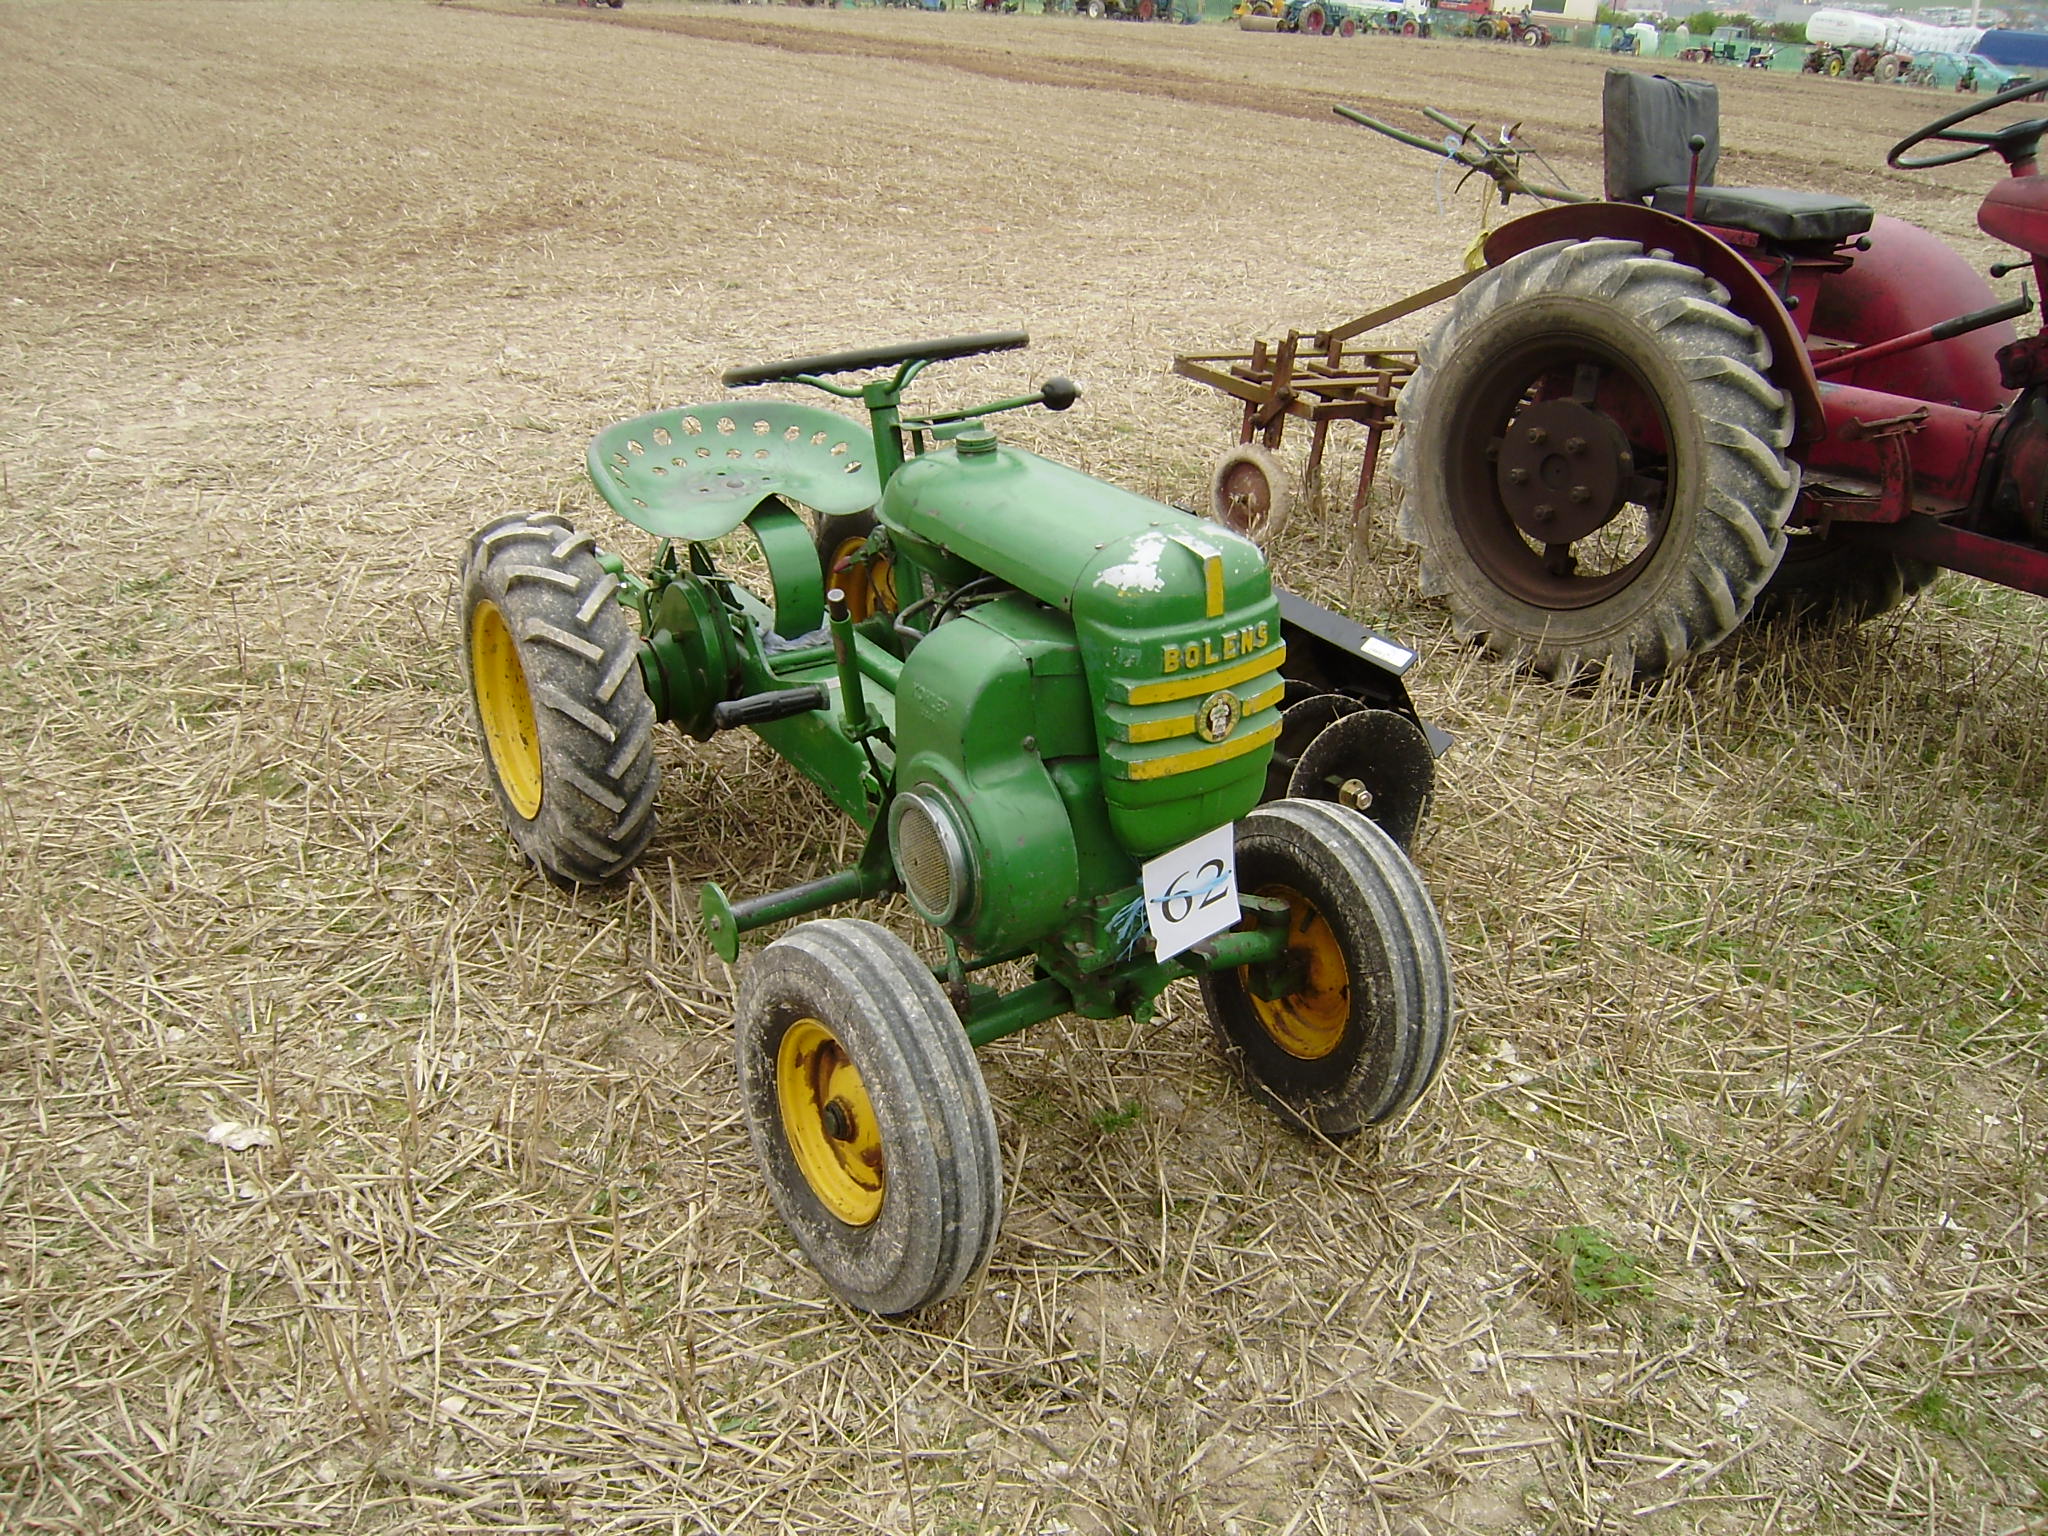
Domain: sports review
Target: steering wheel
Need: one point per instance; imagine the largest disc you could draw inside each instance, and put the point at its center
(863, 358)
(2015, 141)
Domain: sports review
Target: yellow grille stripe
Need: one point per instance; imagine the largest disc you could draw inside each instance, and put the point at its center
(1184, 725)
(1186, 687)
(1202, 757)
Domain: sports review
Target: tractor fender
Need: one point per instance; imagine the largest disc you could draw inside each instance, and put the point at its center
(1748, 294)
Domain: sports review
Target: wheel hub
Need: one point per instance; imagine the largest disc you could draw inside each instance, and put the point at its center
(830, 1123)
(1562, 469)
(1309, 1005)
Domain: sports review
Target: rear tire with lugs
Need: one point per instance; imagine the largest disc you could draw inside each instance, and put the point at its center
(1594, 460)
(564, 719)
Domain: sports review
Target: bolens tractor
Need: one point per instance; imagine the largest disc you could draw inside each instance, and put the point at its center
(1649, 415)
(1078, 729)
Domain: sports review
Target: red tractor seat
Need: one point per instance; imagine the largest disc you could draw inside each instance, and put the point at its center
(1776, 213)
(1649, 123)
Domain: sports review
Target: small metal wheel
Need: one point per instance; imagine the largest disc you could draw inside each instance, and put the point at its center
(868, 1115)
(554, 677)
(869, 584)
(1248, 492)
(1350, 1025)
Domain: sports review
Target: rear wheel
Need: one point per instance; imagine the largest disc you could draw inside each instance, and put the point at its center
(867, 575)
(868, 1115)
(554, 677)
(1828, 580)
(1350, 1025)
(1594, 461)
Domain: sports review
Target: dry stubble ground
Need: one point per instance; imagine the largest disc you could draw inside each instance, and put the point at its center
(1727, 1214)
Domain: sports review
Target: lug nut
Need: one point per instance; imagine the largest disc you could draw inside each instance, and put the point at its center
(1575, 445)
(1538, 436)
(1542, 511)
(1518, 475)
(1581, 494)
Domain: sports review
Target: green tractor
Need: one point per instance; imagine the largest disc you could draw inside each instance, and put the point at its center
(1079, 729)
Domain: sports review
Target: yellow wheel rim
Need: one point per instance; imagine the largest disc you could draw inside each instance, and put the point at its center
(830, 1123)
(505, 705)
(1309, 1022)
(870, 586)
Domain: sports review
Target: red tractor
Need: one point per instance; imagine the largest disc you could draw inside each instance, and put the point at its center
(1482, 20)
(1653, 414)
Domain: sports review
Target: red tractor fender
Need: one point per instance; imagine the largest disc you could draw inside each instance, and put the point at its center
(1748, 294)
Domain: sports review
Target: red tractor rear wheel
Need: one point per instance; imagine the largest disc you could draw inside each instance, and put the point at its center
(1595, 461)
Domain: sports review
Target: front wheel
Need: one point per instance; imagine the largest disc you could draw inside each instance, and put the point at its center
(868, 1115)
(1594, 461)
(1349, 1026)
(554, 680)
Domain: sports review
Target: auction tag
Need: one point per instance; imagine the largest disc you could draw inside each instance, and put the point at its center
(1191, 891)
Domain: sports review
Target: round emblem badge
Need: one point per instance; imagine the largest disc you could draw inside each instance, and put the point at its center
(1219, 715)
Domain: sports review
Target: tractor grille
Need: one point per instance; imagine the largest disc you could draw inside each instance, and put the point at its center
(931, 855)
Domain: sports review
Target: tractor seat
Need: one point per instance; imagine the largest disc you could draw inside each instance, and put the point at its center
(698, 472)
(1650, 122)
(1775, 213)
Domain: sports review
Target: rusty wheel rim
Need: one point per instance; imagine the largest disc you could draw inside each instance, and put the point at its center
(1560, 474)
(1245, 497)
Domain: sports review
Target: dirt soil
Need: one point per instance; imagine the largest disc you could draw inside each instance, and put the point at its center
(354, 1178)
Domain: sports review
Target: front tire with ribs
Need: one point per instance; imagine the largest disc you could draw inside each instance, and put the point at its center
(868, 1114)
(1594, 460)
(1350, 1025)
(563, 716)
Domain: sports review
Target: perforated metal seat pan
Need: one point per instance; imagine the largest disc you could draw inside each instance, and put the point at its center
(696, 471)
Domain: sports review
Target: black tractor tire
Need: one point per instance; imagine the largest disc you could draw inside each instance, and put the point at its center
(1314, 22)
(1636, 364)
(1825, 580)
(1364, 1030)
(868, 1115)
(556, 695)
(870, 585)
